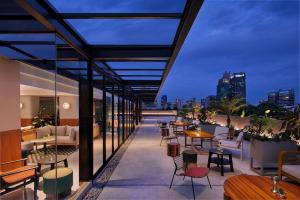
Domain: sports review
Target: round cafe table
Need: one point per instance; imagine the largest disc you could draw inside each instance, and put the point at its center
(250, 187)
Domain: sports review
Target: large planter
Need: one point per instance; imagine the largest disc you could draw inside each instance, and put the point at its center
(264, 154)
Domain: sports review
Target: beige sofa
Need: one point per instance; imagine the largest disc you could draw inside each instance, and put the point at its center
(66, 135)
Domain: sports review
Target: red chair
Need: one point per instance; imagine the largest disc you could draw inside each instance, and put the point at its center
(197, 172)
(193, 172)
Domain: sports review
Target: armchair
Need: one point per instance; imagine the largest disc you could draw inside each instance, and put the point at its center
(289, 164)
(19, 177)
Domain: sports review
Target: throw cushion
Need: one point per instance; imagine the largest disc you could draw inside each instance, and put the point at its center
(68, 130)
(43, 132)
(61, 130)
(73, 134)
(292, 169)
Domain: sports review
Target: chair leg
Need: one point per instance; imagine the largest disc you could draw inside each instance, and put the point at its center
(208, 182)
(193, 187)
(36, 183)
(172, 179)
(161, 141)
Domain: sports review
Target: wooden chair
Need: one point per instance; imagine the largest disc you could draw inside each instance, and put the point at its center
(19, 177)
(165, 135)
(289, 164)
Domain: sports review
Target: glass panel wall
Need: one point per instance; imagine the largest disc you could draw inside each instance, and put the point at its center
(121, 114)
(116, 118)
(97, 121)
(109, 131)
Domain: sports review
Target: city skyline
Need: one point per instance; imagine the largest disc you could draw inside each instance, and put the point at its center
(259, 38)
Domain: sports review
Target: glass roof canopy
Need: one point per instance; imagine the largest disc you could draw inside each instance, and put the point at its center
(133, 43)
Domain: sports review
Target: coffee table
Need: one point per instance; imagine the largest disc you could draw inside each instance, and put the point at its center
(256, 187)
(52, 160)
(220, 160)
(43, 141)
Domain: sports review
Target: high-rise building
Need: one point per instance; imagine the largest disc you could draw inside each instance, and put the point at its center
(238, 85)
(178, 103)
(282, 97)
(208, 100)
(164, 101)
(232, 86)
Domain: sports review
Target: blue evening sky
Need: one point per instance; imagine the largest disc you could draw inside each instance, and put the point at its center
(258, 37)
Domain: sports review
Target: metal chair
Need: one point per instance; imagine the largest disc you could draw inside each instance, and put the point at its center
(165, 135)
(193, 172)
(179, 166)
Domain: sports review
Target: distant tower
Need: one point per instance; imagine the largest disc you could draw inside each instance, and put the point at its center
(232, 86)
(164, 101)
(224, 87)
(238, 85)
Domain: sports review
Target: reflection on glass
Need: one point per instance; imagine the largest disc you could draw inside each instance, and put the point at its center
(116, 122)
(109, 130)
(121, 119)
(97, 130)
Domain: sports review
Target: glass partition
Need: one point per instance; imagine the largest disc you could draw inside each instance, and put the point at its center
(109, 130)
(97, 122)
(116, 118)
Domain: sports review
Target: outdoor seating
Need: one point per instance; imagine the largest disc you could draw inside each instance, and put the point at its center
(193, 172)
(18, 177)
(236, 145)
(197, 172)
(165, 135)
(221, 133)
(289, 165)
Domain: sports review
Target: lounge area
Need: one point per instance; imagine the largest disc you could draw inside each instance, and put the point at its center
(149, 100)
(152, 174)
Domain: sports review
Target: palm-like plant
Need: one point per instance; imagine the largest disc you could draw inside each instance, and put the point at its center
(292, 123)
(229, 106)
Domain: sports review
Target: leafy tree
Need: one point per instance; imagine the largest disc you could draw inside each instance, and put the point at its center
(229, 107)
(275, 110)
(292, 123)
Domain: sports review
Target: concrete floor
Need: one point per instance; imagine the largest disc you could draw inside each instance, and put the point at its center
(145, 171)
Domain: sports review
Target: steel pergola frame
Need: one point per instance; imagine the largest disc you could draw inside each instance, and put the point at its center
(40, 17)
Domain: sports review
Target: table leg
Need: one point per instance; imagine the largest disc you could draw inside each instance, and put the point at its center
(230, 162)
(66, 163)
(201, 142)
(222, 166)
(209, 160)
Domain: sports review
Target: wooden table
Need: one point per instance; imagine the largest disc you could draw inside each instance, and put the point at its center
(256, 187)
(197, 134)
(180, 124)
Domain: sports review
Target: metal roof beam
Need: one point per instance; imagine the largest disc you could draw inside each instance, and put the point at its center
(121, 15)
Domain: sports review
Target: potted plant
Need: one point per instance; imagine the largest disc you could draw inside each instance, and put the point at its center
(43, 119)
(265, 145)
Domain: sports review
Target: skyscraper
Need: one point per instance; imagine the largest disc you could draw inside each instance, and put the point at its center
(238, 85)
(224, 87)
(232, 86)
(164, 101)
(282, 97)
